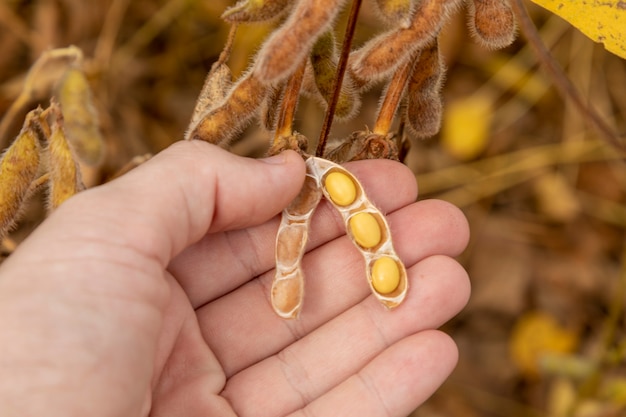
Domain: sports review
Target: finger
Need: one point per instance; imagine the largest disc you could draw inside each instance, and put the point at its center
(174, 199)
(390, 383)
(232, 258)
(394, 383)
(439, 289)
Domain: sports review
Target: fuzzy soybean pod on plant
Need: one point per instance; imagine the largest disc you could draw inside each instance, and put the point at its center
(223, 122)
(424, 106)
(19, 166)
(215, 89)
(396, 12)
(81, 119)
(291, 43)
(323, 60)
(64, 173)
(492, 22)
(385, 53)
(256, 10)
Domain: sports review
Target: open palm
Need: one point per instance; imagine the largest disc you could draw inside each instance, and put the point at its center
(150, 296)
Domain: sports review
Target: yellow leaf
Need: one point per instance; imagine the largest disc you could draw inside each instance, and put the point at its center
(535, 335)
(466, 126)
(603, 21)
(556, 197)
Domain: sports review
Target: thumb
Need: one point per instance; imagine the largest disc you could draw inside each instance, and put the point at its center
(175, 198)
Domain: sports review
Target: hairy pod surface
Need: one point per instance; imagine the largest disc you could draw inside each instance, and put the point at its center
(82, 126)
(492, 22)
(18, 169)
(221, 124)
(324, 65)
(396, 12)
(383, 54)
(247, 11)
(365, 225)
(64, 173)
(215, 89)
(270, 108)
(424, 103)
(292, 42)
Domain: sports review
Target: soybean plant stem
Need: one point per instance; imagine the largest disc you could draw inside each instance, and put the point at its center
(395, 90)
(289, 103)
(228, 47)
(341, 69)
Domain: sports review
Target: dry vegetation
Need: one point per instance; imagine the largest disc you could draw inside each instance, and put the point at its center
(543, 188)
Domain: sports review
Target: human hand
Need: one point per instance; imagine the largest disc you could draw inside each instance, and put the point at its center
(150, 296)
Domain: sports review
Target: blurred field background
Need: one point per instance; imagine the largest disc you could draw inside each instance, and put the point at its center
(545, 194)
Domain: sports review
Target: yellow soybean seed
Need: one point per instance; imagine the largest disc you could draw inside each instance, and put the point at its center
(385, 275)
(365, 230)
(341, 188)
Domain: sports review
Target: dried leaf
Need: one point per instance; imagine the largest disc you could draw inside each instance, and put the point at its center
(466, 125)
(535, 335)
(556, 197)
(601, 20)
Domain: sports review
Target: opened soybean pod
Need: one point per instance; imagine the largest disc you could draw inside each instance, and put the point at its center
(365, 225)
(367, 228)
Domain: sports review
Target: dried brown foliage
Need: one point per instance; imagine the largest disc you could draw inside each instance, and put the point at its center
(543, 193)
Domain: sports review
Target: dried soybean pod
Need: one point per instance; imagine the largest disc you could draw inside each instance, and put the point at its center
(256, 10)
(64, 172)
(292, 42)
(492, 22)
(369, 231)
(383, 54)
(18, 169)
(324, 65)
(221, 124)
(424, 108)
(269, 110)
(216, 85)
(396, 12)
(81, 119)
(287, 290)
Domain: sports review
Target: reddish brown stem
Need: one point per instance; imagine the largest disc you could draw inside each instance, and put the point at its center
(289, 104)
(227, 47)
(394, 93)
(341, 69)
